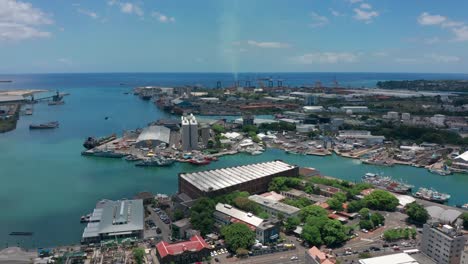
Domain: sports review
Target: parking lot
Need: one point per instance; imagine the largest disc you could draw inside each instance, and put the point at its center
(164, 227)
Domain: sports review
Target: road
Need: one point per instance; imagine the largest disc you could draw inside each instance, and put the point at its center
(165, 228)
(277, 258)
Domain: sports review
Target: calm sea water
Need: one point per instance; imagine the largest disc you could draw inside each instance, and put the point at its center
(47, 185)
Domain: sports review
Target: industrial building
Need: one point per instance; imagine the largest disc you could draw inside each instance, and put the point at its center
(275, 208)
(189, 133)
(191, 251)
(442, 243)
(153, 136)
(253, 178)
(114, 220)
(266, 231)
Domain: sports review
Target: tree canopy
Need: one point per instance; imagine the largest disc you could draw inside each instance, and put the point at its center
(237, 236)
(464, 216)
(279, 184)
(201, 215)
(381, 200)
(138, 255)
(312, 210)
(416, 213)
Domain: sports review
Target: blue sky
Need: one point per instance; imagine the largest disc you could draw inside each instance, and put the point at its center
(228, 35)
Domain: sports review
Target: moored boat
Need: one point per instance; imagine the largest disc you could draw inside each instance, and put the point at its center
(387, 183)
(155, 162)
(103, 153)
(132, 158)
(92, 142)
(49, 125)
(199, 161)
(431, 195)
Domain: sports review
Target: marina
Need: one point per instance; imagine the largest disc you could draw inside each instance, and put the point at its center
(81, 181)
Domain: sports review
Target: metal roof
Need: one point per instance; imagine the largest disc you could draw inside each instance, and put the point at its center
(113, 217)
(443, 215)
(160, 133)
(217, 179)
(238, 214)
(400, 258)
(274, 205)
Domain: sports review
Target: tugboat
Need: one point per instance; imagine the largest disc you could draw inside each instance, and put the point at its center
(432, 195)
(155, 162)
(387, 183)
(49, 125)
(92, 142)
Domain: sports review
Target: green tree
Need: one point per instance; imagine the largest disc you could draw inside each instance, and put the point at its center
(312, 235)
(334, 233)
(381, 200)
(312, 210)
(292, 223)
(138, 255)
(365, 213)
(335, 204)
(279, 184)
(366, 224)
(245, 204)
(201, 215)
(178, 214)
(354, 206)
(300, 202)
(464, 216)
(218, 129)
(377, 219)
(416, 213)
(250, 128)
(237, 236)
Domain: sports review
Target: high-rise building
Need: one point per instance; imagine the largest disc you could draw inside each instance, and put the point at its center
(189, 133)
(205, 135)
(248, 120)
(310, 100)
(443, 243)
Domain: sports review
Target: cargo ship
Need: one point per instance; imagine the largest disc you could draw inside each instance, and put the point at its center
(49, 125)
(92, 142)
(155, 162)
(431, 195)
(387, 183)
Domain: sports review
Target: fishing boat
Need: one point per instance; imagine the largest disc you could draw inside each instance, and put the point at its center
(387, 183)
(92, 142)
(155, 162)
(444, 171)
(256, 152)
(199, 161)
(103, 153)
(431, 195)
(50, 125)
(132, 158)
(16, 233)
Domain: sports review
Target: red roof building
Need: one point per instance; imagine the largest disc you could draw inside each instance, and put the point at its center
(315, 256)
(189, 251)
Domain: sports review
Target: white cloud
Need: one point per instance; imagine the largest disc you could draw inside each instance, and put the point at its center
(407, 60)
(365, 6)
(335, 13)
(443, 58)
(380, 54)
(162, 17)
(428, 19)
(20, 20)
(325, 58)
(459, 29)
(318, 20)
(461, 33)
(364, 15)
(89, 13)
(271, 45)
(130, 8)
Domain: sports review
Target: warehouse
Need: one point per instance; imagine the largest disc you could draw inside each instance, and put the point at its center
(153, 136)
(114, 220)
(253, 178)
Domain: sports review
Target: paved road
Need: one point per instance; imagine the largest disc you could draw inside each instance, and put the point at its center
(281, 257)
(165, 229)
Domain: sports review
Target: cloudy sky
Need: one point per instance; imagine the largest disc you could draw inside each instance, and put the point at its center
(233, 35)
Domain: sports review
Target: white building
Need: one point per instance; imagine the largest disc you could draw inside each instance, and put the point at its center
(312, 109)
(189, 133)
(274, 208)
(393, 116)
(444, 244)
(355, 109)
(406, 116)
(438, 120)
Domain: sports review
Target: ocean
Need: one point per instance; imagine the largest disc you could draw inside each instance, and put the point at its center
(47, 185)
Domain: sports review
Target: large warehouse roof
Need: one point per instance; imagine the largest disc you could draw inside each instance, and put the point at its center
(212, 180)
(160, 133)
(443, 215)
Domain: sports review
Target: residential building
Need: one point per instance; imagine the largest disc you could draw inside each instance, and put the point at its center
(464, 256)
(248, 120)
(405, 116)
(438, 120)
(114, 219)
(443, 243)
(315, 256)
(266, 231)
(189, 133)
(191, 251)
(253, 178)
(275, 208)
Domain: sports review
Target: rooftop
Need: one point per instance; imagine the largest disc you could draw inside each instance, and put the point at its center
(400, 258)
(443, 215)
(196, 243)
(277, 206)
(217, 179)
(115, 217)
(233, 212)
(160, 133)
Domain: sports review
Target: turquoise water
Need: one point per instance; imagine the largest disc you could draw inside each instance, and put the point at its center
(47, 185)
